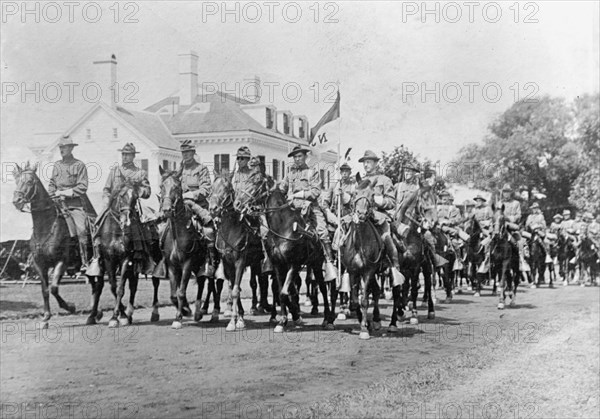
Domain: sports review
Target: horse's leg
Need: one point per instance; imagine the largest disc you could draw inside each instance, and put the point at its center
(430, 305)
(237, 319)
(175, 273)
(155, 316)
(218, 289)
(97, 283)
(254, 287)
(376, 296)
(57, 274)
(396, 302)
(199, 310)
(263, 283)
(275, 292)
(364, 324)
(503, 272)
(126, 274)
(43, 274)
(133, 285)
(284, 296)
(414, 294)
(327, 316)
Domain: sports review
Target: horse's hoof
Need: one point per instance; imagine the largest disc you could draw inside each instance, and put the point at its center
(113, 323)
(414, 320)
(423, 303)
(376, 325)
(240, 324)
(273, 320)
(314, 311)
(230, 326)
(186, 312)
(323, 324)
(330, 326)
(299, 322)
(341, 316)
(388, 295)
(202, 311)
(582, 285)
(289, 316)
(176, 325)
(533, 286)
(124, 321)
(154, 317)
(431, 315)
(477, 294)
(197, 316)
(278, 329)
(512, 304)
(410, 306)
(469, 288)
(71, 308)
(90, 320)
(307, 303)
(227, 313)
(459, 291)
(500, 306)
(99, 316)
(565, 283)
(392, 329)
(214, 318)
(435, 301)
(364, 336)
(551, 285)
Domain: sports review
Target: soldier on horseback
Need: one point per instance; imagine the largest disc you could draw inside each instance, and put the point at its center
(303, 188)
(345, 189)
(536, 223)
(196, 185)
(512, 212)
(69, 183)
(555, 226)
(384, 201)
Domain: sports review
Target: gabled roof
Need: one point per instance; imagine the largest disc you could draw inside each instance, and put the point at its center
(225, 114)
(149, 126)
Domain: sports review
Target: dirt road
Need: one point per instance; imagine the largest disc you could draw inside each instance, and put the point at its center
(540, 359)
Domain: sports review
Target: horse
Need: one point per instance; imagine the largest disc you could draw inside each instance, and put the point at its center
(566, 252)
(236, 240)
(538, 261)
(362, 256)
(51, 244)
(475, 253)
(444, 248)
(183, 248)
(589, 261)
(290, 245)
(120, 242)
(502, 258)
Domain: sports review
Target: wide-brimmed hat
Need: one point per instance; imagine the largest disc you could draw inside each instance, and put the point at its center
(243, 151)
(411, 168)
(566, 212)
(560, 217)
(345, 166)
(128, 148)
(535, 206)
(506, 188)
(298, 149)
(187, 145)
(369, 155)
(468, 203)
(65, 140)
(480, 198)
(444, 193)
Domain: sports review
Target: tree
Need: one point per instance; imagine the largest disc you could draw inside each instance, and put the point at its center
(393, 162)
(585, 193)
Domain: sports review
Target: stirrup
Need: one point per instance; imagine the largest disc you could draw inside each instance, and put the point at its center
(397, 277)
(93, 268)
(330, 271)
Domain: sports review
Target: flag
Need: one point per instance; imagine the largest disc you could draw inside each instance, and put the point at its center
(331, 115)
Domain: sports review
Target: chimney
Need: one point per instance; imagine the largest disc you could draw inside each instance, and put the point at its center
(188, 77)
(251, 89)
(107, 79)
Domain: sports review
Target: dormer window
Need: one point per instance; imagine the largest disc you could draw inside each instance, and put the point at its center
(301, 132)
(286, 124)
(115, 133)
(88, 133)
(269, 116)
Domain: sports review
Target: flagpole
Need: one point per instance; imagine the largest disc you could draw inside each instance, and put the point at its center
(339, 200)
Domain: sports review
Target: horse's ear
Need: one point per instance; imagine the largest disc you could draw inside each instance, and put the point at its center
(358, 178)
(161, 170)
(35, 166)
(17, 171)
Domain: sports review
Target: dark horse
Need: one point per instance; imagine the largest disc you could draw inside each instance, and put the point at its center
(589, 261)
(237, 242)
(119, 247)
(361, 254)
(51, 244)
(183, 248)
(566, 252)
(475, 253)
(503, 258)
(290, 245)
(539, 260)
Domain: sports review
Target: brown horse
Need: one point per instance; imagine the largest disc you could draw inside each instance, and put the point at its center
(362, 255)
(503, 258)
(183, 249)
(52, 247)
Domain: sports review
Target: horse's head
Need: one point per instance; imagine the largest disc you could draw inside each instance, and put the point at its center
(221, 196)
(363, 201)
(123, 201)
(170, 190)
(28, 185)
(498, 221)
(253, 192)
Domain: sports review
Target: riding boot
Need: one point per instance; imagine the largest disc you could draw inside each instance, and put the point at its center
(438, 260)
(212, 260)
(85, 257)
(330, 271)
(392, 253)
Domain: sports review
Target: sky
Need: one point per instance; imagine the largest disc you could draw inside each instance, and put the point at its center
(381, 55)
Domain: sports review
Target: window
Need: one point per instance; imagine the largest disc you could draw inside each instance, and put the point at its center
(275, 169)
(328, 179)
(262, 162)
(115, 133)
(269, 112)
(165, 165)
(286, 123)
(88, 133)
(282, 169)
(221, 162)
(145, 165)
(301, 128)
(322, 177)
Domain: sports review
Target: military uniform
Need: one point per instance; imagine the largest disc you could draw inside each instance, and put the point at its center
(195, 185)
(70, 180)
(448, 213)
(593, 232)
(118, 175)
(330, 199)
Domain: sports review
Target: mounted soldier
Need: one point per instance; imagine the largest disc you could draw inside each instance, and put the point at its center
(536, 223)
(303, 188)
(593, 231)
(555, 226)
(447, 212)
(69, 184)
(567, 227)
(196, 186)
(344, 188)
(384, 200)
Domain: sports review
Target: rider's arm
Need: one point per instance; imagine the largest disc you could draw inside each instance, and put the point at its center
(314, 185)
(81, 186)
(204, 182)
(108, 187)
(389, 200)
(52, 183)
(144, 185)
